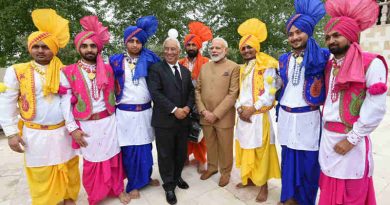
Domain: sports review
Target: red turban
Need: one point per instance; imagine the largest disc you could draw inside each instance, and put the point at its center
(349, 18)
(94, 30)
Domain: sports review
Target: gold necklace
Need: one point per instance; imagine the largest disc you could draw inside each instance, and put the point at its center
(252, 65)
(40, 69)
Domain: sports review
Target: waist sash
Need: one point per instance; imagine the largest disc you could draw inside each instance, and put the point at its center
(337, 127)
(43, 127)
(134, 107)
(299, 109)
(99, 115)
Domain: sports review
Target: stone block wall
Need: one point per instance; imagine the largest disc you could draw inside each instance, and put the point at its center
(377, 40)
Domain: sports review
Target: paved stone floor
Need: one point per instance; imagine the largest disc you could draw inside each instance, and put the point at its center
(14, 190)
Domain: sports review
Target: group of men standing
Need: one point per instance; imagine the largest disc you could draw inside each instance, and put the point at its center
(115, 111)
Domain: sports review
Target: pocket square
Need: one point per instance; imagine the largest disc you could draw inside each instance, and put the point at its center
(225, 74)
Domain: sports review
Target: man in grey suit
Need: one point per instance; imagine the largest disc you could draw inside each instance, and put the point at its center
(173, 95)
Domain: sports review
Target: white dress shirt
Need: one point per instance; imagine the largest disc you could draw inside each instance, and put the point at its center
(43, 147)
(250, 135)
(134, 128)
(372, 111)
(299, 131)
(102, 136)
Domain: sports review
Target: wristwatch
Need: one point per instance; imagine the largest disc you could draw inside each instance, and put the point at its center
(239, 110)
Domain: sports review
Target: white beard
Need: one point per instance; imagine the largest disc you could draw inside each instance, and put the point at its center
(217, 58)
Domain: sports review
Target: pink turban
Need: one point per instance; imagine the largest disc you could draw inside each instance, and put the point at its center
(349, 18)
(94, 30)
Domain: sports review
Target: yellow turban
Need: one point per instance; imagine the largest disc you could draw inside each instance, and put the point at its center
(53, 30)
(253, 32)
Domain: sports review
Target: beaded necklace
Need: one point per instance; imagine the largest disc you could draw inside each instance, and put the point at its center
(251, 65)
(296, 76)
(41, 70)
(132, 62)
(91, 72)
(336, 64)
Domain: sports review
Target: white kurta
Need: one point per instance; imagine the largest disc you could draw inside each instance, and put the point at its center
(134, 128)
(102, 136)
(372, 111)
(43, 147)
(250, 135)
(299, 131)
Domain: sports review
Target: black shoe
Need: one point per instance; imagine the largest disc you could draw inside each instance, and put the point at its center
(171, 197)
(182, 184)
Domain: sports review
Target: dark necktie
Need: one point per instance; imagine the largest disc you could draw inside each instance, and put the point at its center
(177, 76)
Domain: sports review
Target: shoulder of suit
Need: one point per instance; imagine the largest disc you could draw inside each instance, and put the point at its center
(157, 65)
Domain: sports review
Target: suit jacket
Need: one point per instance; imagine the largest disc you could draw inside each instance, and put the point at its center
(167, 94)
(217, 90)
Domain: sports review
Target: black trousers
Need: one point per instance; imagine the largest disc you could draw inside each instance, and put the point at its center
(171, 146)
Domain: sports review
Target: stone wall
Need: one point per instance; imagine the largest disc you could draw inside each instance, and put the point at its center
(377, 40)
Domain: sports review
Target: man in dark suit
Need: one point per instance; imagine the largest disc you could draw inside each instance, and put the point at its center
(173, 95)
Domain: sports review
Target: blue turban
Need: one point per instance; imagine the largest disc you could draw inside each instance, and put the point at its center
(145, 27)
(308, 14)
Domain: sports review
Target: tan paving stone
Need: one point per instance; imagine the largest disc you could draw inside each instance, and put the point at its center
(14, 190)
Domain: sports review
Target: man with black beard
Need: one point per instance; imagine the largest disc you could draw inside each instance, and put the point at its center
(199, 33)
(89, 112)
(355, 105)
(298, 110)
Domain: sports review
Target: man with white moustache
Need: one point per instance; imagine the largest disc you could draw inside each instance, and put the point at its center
(216, 92)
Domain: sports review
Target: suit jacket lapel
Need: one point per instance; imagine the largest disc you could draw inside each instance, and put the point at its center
(170, 73)
(182, 71)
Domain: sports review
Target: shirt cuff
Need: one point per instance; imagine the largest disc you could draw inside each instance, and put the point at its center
(237, 105)
(258, 105)
(72, 126)
(10, 130)
(354, 138)
(174, 109)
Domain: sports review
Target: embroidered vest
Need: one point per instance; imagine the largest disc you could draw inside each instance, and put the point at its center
(82, 109)
(313, 88)
(351, 99)
(257, 87)
(27, 99)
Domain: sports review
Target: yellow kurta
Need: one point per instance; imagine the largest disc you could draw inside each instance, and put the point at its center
(258, 164)
(52, 184)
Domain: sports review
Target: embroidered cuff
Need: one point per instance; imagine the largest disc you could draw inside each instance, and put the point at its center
(377, 89)
(72, 126)
(10, 130)
(354, 138)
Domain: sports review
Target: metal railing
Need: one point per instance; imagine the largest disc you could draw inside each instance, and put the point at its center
(384, 13)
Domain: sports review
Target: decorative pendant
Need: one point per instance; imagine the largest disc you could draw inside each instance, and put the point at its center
(335, 71)
(299, 60)
(91, 76)
(132, 66)
(334, 96)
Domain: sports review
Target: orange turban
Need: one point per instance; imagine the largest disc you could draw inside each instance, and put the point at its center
(199, 33)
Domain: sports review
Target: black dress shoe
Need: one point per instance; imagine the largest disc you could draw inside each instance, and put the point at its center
(182, 184)
(171, 197)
